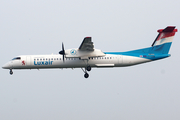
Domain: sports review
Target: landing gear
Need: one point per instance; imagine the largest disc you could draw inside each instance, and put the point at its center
(88, 68)
(11, 72)
(86, 75)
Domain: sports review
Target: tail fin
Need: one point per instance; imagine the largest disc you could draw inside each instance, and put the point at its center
(163, 41)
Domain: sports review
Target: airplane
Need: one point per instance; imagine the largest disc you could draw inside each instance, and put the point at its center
(87, 57)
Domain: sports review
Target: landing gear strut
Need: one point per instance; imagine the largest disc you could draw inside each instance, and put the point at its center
(86, 75)
(11, 72)
(87, 68)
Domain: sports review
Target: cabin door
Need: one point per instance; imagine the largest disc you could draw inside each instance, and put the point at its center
(28, 60)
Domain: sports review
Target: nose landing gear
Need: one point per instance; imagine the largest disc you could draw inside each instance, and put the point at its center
(11, 72)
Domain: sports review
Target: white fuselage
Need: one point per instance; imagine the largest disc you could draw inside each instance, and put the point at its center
(56, 61)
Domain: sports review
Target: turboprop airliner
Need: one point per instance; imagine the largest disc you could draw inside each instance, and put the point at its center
(87, 57)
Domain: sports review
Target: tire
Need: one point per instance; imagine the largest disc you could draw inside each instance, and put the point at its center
(86, 75)
(11, 72)
(88, 68)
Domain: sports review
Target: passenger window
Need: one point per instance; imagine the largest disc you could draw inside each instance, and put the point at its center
(57, 58)
(51, 58)
(54, 58)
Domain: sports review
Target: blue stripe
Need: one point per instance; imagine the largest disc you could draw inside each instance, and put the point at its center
(152, 53)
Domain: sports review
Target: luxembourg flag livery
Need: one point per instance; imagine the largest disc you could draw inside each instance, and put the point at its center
(165, 35)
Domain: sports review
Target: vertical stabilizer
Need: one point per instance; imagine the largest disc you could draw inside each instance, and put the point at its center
(163, 41)
(165, 35)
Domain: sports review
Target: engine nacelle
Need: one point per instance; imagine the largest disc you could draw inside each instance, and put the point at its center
(83, 54)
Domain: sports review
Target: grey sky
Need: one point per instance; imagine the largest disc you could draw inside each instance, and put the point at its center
(144, 92)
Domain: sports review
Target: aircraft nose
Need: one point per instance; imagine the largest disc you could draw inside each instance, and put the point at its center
(6, 66)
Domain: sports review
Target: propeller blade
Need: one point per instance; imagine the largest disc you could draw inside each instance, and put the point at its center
(62, 52)
(62, 46)
(63, 58)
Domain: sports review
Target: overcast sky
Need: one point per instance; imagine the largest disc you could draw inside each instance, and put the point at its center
(148, 91)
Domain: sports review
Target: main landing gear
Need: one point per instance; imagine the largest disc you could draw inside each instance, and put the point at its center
(88, 68)
(86, 75)
(11, 72)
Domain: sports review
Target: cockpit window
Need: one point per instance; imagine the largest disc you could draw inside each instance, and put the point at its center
(17, 58)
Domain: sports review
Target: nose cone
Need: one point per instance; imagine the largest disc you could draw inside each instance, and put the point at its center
(6, 66)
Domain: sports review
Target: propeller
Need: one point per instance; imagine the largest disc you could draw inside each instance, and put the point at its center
(62, 52)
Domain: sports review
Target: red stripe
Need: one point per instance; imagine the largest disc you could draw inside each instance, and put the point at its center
(167, 30)
(165, 35)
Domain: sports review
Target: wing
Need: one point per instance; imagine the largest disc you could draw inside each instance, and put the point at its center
(87, 45)
(85, 50)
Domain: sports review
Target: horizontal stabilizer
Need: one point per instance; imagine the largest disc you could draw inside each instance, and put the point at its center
(168, 29)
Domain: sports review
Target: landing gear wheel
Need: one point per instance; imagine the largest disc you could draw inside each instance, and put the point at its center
(88, 68)
(86, 75)
(11, 72)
